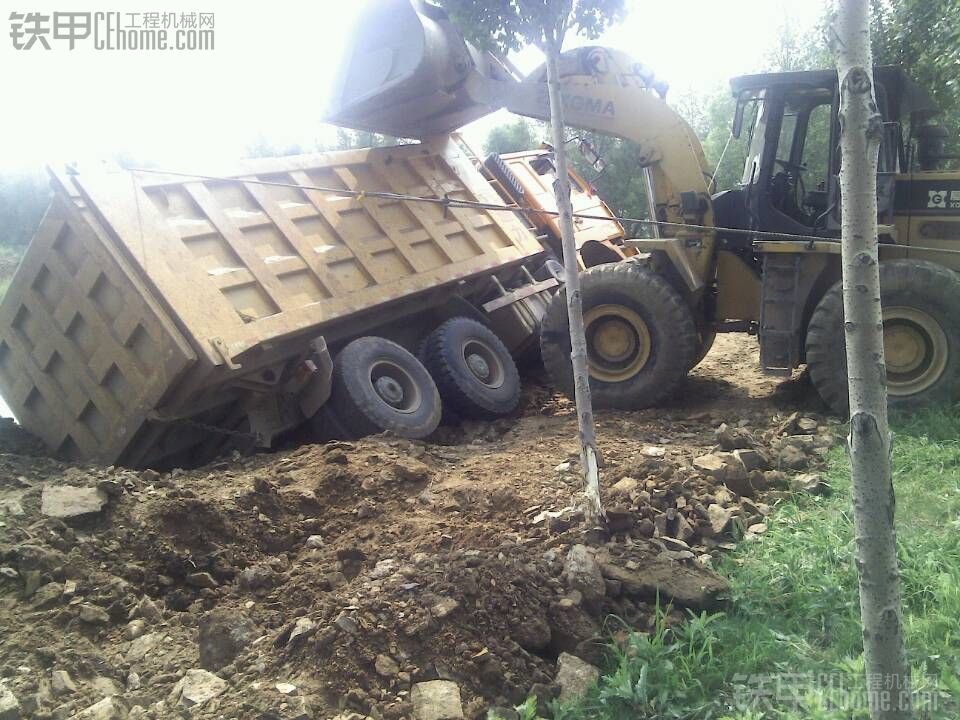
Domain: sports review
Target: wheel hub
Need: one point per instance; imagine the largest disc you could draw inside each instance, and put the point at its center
(389, 389)
(395, 386)
(479, 367)
(915, 350)
(618, 342)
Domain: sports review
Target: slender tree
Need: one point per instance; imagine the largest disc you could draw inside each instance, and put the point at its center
(888, 674)
(506, 23)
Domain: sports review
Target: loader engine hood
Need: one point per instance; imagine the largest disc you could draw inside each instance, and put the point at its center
(404, 73)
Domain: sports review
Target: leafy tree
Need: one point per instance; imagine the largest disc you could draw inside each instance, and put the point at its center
(521, 134)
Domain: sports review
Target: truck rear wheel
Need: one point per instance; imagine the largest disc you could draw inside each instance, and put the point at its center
(921, 337)
(641, 337)
(473, 369)
(377, 386)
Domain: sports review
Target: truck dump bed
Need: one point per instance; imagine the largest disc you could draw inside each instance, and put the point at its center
(147, 299)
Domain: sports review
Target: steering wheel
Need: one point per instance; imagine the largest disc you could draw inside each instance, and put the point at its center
(791, 166)
(795, 172)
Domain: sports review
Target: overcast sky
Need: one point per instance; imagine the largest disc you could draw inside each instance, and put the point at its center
(272, 67)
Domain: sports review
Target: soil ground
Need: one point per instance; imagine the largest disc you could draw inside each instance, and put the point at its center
(330, 579)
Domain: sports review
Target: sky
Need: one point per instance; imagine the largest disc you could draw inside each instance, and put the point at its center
(273, 65)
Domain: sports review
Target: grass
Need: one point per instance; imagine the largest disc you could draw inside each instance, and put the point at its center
(789, 648)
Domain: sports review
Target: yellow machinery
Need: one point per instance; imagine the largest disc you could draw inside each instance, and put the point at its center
(762, 258)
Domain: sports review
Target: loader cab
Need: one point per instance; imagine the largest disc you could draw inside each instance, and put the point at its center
(789, 123)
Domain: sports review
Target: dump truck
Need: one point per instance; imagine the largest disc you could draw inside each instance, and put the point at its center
(762, 258)
(159, 318)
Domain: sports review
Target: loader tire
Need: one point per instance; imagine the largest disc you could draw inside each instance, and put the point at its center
(474, 372)
(377, 386)
(921, 328)
(641, 337)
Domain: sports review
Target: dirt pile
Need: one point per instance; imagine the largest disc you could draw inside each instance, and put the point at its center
(384, 577)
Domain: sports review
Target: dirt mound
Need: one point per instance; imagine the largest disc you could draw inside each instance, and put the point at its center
(340, 578)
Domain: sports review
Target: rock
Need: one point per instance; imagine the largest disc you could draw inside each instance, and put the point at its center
(748, 485)
(223, 635)
(807, 482)
(110, 708)
(105, 686)
(286, 688)
(347, 624)
(532, 633)
(684, 530)
(443, 607)
(146, 609)
(563, 467)
(624, 486)
(652, 451)
(9, 705)
(752, 460)
(302, 629)
(719, 518)
(61, 683)
(256, 577)
(691, 586)
(386, 666)
(732, 438)
(574, 676)
(712, 465)
(196, 687)
(65, 501)
(789, 426)
(582, 572)
(9, 572)
(47, 595)
(757, 529)
(134, 629)
(133, 681)
(792, 457)
(384, 568)
(436, 700)
(201, 580)
(143, 645)
(94, 614)
(314, 542)
(807, 425)
(113, 488)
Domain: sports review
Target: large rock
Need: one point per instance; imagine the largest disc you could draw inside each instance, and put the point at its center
(574, 676)
(110, 708)
(582, 572)
(691, 586)
(719, 518)
(436, 700)
(143, 645)
(196, 687)
(9, 705)
(66, 501)
(223, 635)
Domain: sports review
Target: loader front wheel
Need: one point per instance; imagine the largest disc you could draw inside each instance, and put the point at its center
(641, 337)
(921, 337)
(377, 386)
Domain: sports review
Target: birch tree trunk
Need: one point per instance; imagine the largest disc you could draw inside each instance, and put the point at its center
(593, 508)
(888, 674)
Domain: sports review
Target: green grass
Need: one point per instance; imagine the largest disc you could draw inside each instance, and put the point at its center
(794, 614)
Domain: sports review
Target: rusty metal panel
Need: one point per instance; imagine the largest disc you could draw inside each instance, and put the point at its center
(85, 351)
(535, 172)
(243, 264)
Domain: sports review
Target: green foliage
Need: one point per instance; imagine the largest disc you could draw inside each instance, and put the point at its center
(504, 25)
(923, 36)
(521, 134)
(794, 610)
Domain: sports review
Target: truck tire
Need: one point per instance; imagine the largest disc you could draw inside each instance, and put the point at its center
(641, 337)
(921, 328)
(377, 386)
(472, 368)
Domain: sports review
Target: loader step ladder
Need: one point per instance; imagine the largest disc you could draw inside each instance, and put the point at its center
(780, 314)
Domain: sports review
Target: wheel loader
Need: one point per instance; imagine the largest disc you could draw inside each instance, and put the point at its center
(762, 258)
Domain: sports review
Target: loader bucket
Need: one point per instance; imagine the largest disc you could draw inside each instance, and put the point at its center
(403, 73)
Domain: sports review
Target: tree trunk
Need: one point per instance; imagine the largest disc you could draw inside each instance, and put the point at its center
(888, 674)
(588, 439)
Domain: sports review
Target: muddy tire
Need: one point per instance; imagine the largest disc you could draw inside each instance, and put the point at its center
(474, 372)
(641, 337)
(377, 386)
(705, 341)
(921, 327)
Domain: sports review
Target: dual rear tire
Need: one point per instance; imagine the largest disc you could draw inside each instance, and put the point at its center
(379, 386)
